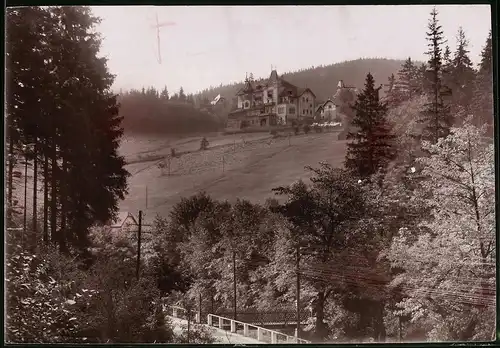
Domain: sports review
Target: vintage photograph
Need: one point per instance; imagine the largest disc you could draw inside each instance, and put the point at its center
(249, 174)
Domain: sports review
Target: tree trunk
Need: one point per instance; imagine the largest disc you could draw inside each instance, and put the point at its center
(321, 329)
(35, 188)
(63, 199)
(379, 326)
(10, 185)
(53, 196)
(46, 198)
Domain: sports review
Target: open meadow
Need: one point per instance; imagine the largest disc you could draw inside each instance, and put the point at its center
(233, 166)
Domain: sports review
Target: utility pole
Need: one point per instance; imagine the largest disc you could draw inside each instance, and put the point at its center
(298, 290)
(139, 245)
(25, 192)
(146, 196)
(234, 283)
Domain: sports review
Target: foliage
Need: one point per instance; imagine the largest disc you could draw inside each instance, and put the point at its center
(370, 147)
(322, 216)
(307, 129)
(40, 301)
(449, 272)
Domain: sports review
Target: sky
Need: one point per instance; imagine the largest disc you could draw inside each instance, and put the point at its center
(205, 46)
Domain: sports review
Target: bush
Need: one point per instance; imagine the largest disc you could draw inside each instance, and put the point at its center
(318, 129)
(204, 144)
(296, 130)
(307, 129)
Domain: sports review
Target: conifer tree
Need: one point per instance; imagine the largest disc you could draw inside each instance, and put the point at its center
(65, 107)
(436, 116)
(462, 77)
(483, 89)
(182, 95)
(408, 84)
(370, 148)
(164, 94)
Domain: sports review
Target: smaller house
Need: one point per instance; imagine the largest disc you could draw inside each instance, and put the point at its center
(123, 220)
(327, 112)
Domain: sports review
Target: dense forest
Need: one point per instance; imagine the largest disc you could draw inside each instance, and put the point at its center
(397, 244)
(151, 112)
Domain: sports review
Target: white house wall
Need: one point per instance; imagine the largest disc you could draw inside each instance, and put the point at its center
(306, 105)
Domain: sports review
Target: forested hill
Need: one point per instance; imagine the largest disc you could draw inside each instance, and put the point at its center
(323, 80)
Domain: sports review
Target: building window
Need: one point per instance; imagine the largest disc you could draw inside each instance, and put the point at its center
(310, 105)
(330, 107)
(303, 111)
(307, 100)
(281, 110)
(292, 111)
(303, 99)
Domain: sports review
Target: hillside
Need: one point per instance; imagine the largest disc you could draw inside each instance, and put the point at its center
(323, 79)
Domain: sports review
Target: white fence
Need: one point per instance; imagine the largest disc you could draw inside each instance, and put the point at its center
(252, 331)
(182, 313)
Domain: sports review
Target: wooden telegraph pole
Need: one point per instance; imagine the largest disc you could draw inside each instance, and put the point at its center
(298, 290)
(234, 284)
(139, 245)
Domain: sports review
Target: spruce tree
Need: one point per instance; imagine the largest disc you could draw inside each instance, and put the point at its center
(462, 77)
(65, 107)
(164, 94)
(182, 95)
(370, 149)
(483, 89)
(408, 83)
(436, 116)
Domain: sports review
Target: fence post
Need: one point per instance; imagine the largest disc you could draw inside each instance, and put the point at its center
(259, 334)
(209, 320)
(245, 330)
(233, 326)
(197, 318)
(174, 312)
(273, 337)
(220, 323)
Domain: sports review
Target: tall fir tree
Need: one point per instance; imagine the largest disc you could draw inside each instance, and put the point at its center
(483, 89)
(164, 94)
(462, 78)
(371, 147)
(407, 80)
(436, 117)
(69, 112)
(182, 95)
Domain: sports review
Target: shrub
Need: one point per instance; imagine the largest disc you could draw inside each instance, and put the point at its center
(204, 144)
(296, 130)
(307, 129)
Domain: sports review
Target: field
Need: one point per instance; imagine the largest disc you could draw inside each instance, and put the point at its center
(234, 166)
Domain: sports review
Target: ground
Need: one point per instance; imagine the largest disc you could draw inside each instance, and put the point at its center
(234, 166)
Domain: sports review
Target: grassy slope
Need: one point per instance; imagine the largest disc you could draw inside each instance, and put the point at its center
(251, 170)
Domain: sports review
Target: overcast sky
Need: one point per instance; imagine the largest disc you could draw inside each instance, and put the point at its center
(206, 46)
